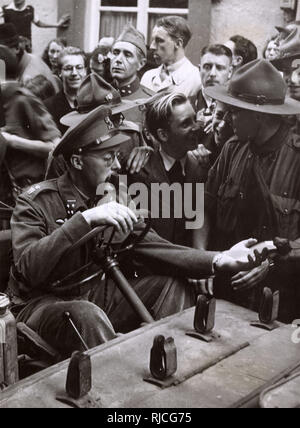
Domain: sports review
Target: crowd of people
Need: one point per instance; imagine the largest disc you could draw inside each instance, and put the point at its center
(73, 121)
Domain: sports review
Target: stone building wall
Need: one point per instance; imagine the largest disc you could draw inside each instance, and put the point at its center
(254, 19)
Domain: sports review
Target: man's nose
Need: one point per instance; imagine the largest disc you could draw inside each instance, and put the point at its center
(153, 45)
(116, 165)
(74, 71)
(213, 71)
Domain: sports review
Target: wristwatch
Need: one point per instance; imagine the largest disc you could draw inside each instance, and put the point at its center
(216, 261)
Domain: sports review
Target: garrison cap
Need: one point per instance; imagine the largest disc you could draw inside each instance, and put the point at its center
(133, 36)
(95, 130)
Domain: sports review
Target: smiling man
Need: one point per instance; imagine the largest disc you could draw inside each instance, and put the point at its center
(171, 120)
(72, 67)
(170, 37)
(53, 216)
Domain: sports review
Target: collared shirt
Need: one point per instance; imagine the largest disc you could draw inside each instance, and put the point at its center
(130, 89)
(209, 101)
(169, 161)
(183, 75)
(13, 7)
(254, 192)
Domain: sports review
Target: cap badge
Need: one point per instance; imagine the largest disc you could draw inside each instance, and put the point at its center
(109, 123)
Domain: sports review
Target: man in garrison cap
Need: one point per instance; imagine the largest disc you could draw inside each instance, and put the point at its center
(54, 215)
(254, 189)
(129, 55)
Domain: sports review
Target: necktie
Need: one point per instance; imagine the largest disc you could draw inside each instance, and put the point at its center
(175, 174)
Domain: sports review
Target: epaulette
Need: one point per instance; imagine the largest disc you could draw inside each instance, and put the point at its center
(44, 186)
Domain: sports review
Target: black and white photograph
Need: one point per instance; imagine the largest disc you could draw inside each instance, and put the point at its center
(150, 207)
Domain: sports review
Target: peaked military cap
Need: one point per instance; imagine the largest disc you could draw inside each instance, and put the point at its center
(289, 50)
(95, 130)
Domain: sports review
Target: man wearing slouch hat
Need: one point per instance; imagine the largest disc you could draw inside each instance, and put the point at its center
(254, 187)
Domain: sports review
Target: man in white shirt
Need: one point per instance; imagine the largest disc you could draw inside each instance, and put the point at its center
(170, 37)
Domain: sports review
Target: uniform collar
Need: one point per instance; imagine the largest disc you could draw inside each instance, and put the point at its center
(73, 199)
(130, 89)
(169, 161)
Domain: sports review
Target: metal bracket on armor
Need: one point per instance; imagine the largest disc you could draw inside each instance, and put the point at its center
(204, 320)
(70, 207)
(268, 311)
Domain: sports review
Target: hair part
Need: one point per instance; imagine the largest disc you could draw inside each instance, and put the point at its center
(159, 112)
(177, 28)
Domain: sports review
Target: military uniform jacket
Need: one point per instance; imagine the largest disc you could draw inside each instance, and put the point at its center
(226, 189)
(135, 91)
(47, 221)
(255, 193)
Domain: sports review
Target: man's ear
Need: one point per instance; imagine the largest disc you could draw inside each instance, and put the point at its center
(230, 72)
(237, 61)
(179, 43)
(162, 135)
(76, 162)
(142, 64)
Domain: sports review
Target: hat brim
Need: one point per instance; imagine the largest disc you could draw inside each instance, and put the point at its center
(114, 141)
(282, 29)
(285, 63)
(219, 93)
(74, 118)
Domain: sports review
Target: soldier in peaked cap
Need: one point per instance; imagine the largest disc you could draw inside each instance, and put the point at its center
(254, 187)
(94, 92)
(53, 215)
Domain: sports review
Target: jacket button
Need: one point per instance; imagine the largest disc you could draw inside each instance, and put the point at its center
(285, 194)
(286, 211)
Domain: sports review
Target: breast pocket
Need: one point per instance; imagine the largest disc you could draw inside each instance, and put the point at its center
(228, 199)
(288, 214)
